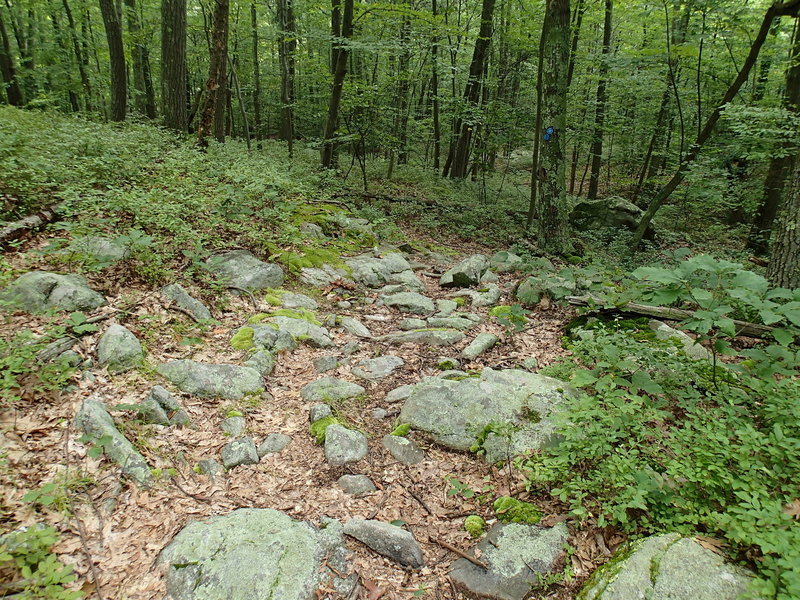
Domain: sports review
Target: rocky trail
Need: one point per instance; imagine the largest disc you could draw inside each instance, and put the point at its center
(319, 437)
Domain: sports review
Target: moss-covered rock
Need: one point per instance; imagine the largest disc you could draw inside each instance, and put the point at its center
(511, 510)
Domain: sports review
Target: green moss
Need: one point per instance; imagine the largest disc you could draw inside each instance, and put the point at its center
(259, 318)
(310, 257)
(317, 429)
(511, 510)
(273, 297)
(402, 430)
(460, 300)
(475, 526)
(500, 311)
(234, 413)
(243, 339)
(297, 313)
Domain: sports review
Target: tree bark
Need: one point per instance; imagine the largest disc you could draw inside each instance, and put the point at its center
(212, 114)
(341, 52)
(286, 53)
(600, 107)
(784, 263)
(256, 75)
(116, 51)
(173, 65)
(437, 128)
(79, 57)
(7, 69)
(144, 98)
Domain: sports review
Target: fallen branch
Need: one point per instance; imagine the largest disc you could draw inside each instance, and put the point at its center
(17, 229)
(461, 553)
(745, 328)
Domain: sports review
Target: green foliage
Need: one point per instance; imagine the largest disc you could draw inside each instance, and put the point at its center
(243, 339)
(504, 430)
(41, 574)
(401, 430)
(475, 526)
(511, 510)
(317, 428)
(512, 317)
(297, 313)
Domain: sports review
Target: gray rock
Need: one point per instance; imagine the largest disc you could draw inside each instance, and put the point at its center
(284, 342)
(466, 273)
(322, 276)
(488, 295)
(445, 308)
(274, 442)
(233, 426)
(403, 449)
(490, 277)
(177, 294)
(482, 343)
(504, 261)
(395, 288)
(454, 322)
(356, 485)
(374, 272)
(350, 348)
(70, 358)
(293, 300)
(445, 363)
(302, 330)
(386, 539)
(411, 323)
(409, 280)
(262, 361)
(410, 302)
(691, 348)
(531, 289)
(239, 452)
(330, 389)
(231, 382)
(150, 411)
(354, 327)
(319, 411)
(377, 368)
(456, 413)
(379, 413)
(177, 415)
(38, 291)
(209, 466)
(344, 304)
(264, 336)
(325, 363)
(667, 567)
(100, 249)
(429, 337)
(253, 554)
(312, 230)
(119, 350)
(455, 374)
(94, 420)
(530, 363)
(608, 212)
(517, 555)
(344, 446)
(399, 394)
(239, 268)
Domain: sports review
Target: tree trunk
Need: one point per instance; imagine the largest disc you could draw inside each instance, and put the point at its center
(401, 105)
(79, 57)
(256, 75)
(341, 52)
(784, 262)
(437, 128)
(776, 10)
(465, 127)
(216, 99)
(144, 99)
(600, 107)
(116, 51)
(286, 52)
(13, 91)
(173, 65)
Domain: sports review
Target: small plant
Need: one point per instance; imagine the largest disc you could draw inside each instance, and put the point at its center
(402, 430)
(511, 510)
(475, 526)
(511, 317)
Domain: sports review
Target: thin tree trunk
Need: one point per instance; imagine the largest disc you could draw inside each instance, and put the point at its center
(286, 53)
(79, 57)
(73, 97)
(213, 111)
(173, 65)
(256, 75)
(116, 51)
(403, 61)
(600, 107)
(341, 52)
(437, 127)
(576, 33)
(763, 69)
(9, 72)
(144, 99)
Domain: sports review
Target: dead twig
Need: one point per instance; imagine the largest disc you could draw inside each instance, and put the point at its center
(197, 497)
(420, 500)
(244, 291)
(177, 308)
(461, 553)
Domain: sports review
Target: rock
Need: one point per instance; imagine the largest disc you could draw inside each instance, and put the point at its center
(302, 330)
(177, 294)
(233, 426)
(403, 449)
(482, 343)
(379, 413)
(239, 268)
(531, 289)
(354, 327)
(262, 361)
(253, 554)
(330, 389)
(691, 348)
(38, 291)
(151, 412)
(608, 212)
(70, 358)
(319, 411)
(325, 363)
(489, 277)
(446, 363)
(530, 363)
(239, 452)
(429, 337)
(350, 348)
(344, 446)
(411, 323)
(231, 382)
(517, 557)
(100, 249)
(119, 350)
(386, 539)
(293, 300)
(161, 396)
(323, 276)
(667, 567)
(445, 308)
(94, 420)
(374, 272)
(312, 230)
(399, 394)
(504, 261)
(410, 302)
(209, 467)
(466, 273)
(454, 374)
(456, 413)
(409, 281)
(454, 322)
(273, 443)
(356, 485)
(486, 296)
(377, 368)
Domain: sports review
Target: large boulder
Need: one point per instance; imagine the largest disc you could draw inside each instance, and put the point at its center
(254, 554)
(38, 291)
(410, 302)
(119, 350)
(466, 273)
(231, 382)
(376, 271)
(240, 269)
(667, 567)
(501, 413)
(609, 212)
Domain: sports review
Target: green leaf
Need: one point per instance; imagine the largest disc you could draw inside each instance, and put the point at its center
(656, 274)
(783, 336)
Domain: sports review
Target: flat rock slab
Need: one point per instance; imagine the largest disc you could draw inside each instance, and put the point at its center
(504, 261)
(403, 449)
(302, 330)
(231, 382)
(176, 293)
(119, 350)
(253, 554)
(410, 302)
(295, 300)
(466, 273)
(377, 368)
(273, 444)
(375, 271)
(454, 322)
(356, 485)
(323, 276)
(354, 327)
(239, 452)
(101, 249)
(668, 567)
(488, 295)
(39, 291)
(386, 539)
(690, 347)
(330, 389)
(516, 556)
(428, 337)
(94, 420)
(344, 446)
(483, 342)
(239, 268)
(457, 413)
